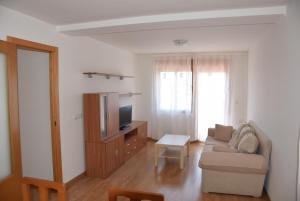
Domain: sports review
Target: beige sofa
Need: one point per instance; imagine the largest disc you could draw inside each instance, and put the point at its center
(235, 173)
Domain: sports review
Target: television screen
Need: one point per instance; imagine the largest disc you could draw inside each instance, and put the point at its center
(125, 116)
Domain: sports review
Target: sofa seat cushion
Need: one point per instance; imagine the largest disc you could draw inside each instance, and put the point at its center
(208, 148)
(224, 149)
(212, 141)
(233, 162)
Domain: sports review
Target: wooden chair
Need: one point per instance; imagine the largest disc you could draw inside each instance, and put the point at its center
(43, 187)
(114, 193)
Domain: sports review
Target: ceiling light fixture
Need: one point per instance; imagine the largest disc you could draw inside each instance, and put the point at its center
(180, 42)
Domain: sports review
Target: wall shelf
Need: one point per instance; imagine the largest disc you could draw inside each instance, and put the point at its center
(106, 75)
(130, 94)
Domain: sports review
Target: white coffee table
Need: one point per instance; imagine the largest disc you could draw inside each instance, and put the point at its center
(180, 141)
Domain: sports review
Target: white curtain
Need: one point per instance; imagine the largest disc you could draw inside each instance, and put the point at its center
(190, 95)
(211, 92)
(172, 97)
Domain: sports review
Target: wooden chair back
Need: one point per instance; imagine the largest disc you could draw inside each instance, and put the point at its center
(114, 193)
(43, 188)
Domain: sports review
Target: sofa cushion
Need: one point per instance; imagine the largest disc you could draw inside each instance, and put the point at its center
(207, 148)
(248, 144)
(211, 132)
(243, 130)
(219, 148)
(233, 141)
(212, 141)
(233, 162)
(223, 133)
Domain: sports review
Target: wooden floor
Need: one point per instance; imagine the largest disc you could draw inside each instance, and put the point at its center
(139, 173)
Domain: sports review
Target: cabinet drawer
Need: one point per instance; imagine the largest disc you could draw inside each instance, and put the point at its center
(135, 148)
(132, 140)
(128, 154)
(130, 146)
(130, 150)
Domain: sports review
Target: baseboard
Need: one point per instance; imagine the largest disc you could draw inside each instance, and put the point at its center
(266, 192)
(75, 179)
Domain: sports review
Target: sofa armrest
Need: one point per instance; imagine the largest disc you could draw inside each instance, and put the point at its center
(233, 162)
(211, 132)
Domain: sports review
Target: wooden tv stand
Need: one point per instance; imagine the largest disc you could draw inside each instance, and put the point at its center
(104, 157)
(107, 149)
(135, 138)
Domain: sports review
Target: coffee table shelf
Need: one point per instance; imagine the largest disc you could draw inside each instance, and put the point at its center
(169, 141)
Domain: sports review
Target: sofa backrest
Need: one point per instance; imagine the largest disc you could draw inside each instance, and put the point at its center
(265, 144)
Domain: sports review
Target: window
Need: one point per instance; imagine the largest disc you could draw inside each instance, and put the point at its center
(175, 91)
(211, 100)
(190, 94)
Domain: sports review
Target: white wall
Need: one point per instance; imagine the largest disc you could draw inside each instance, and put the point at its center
(239, 88)
(76, 55)
(144, 85)
(239, 72)
(5, 156)
(274, 100)
(34, 114)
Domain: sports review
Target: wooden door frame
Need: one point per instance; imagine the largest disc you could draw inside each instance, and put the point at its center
(13, 109)
(13, 116)
(54, 97)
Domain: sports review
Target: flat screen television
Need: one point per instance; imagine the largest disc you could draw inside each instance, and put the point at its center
(125, 113)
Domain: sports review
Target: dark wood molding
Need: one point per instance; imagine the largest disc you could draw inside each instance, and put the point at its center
(54, 98)
(10, 188)
(26, 44)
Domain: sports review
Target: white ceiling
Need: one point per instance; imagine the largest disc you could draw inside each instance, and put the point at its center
(150, 26)
(201, 39)
(59, 12)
